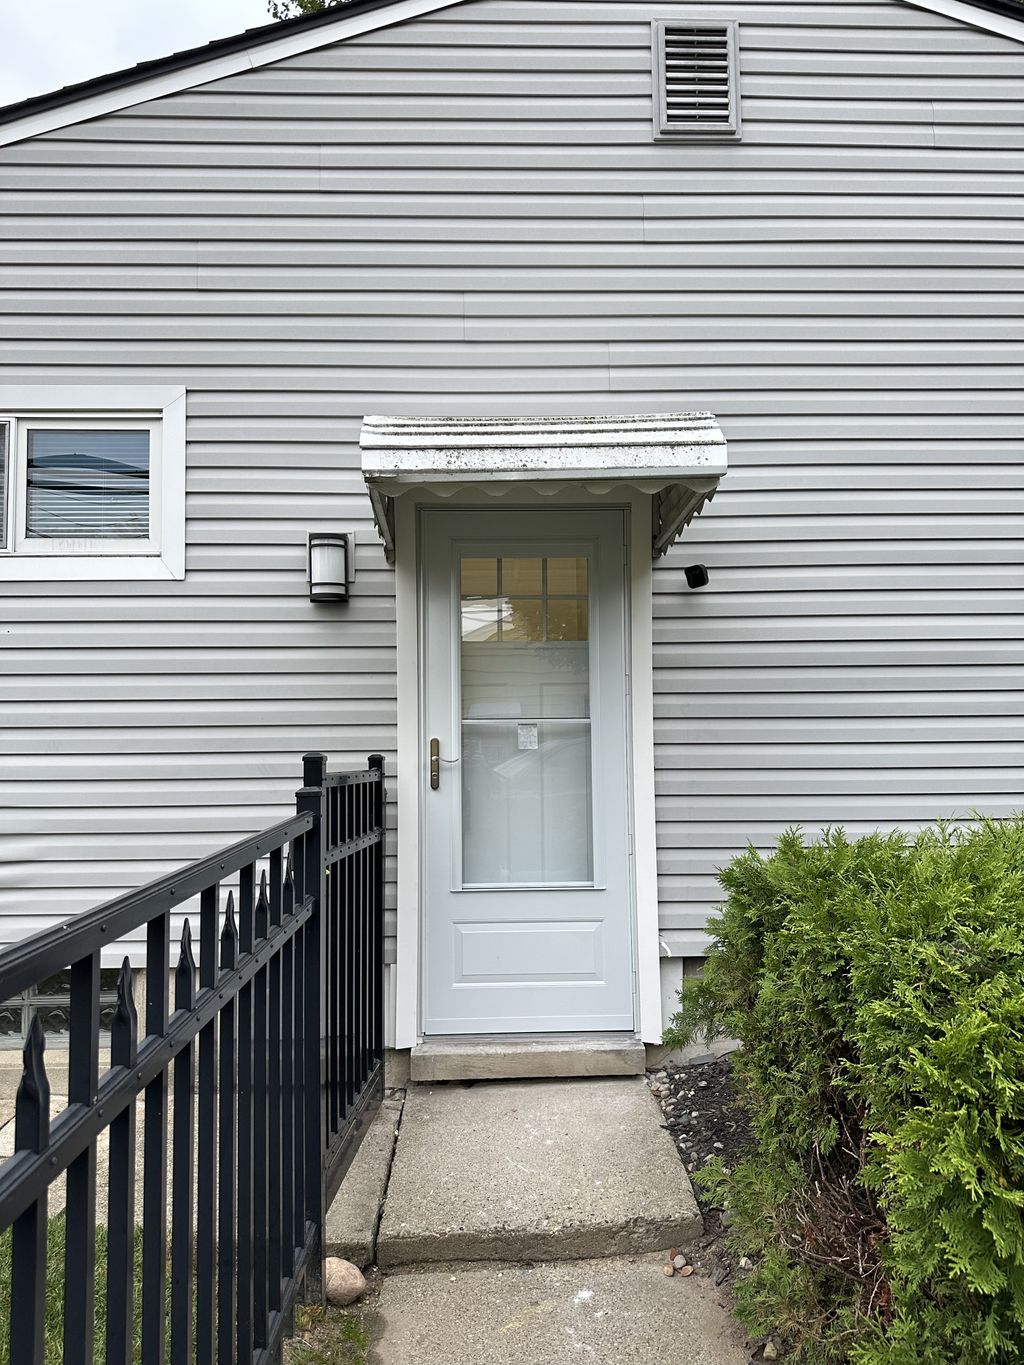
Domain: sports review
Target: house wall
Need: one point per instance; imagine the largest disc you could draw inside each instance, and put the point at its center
(468, 214)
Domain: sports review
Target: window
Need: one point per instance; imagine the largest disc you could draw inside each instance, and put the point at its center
(92, 484)
(696, 79)
(51, 1001)
(87, 488)
(5, 441)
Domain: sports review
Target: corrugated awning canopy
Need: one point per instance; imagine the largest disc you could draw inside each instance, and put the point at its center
(677, 457)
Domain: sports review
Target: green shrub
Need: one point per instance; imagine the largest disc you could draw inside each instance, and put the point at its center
(877, 988)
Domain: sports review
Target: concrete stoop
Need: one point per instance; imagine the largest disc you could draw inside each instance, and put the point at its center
(534, 1171)
(553, 1056)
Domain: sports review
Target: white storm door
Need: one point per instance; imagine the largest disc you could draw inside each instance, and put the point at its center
(528, 923)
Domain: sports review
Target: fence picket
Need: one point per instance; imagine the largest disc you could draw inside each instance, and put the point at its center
(124, 1051)
(182, 1256)
(260, 1194)
(154, 1171)
(227, 1096)
(288, 1092)
(206, 1177)
(244, 1296)
(276, 1105)
(80, 1214)
(28, 1245)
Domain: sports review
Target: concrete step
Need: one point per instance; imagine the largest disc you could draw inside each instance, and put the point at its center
(534, 1171)
(527, 1056)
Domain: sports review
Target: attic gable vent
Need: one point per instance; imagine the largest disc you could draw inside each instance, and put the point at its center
(696, 90)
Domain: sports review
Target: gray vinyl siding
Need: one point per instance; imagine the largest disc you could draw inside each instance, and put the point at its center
(467, 213)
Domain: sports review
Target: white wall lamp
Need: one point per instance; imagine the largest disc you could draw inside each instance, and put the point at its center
(330, 566)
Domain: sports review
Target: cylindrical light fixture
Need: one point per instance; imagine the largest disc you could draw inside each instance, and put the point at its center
(330, 567)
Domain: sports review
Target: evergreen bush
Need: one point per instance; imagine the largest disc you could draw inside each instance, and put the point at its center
(877, 988)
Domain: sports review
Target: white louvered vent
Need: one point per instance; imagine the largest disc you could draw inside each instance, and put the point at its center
(696, 79)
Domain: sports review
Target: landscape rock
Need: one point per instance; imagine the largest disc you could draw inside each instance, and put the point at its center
(343, 1282)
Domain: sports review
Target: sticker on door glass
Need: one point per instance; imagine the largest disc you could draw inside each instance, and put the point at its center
(527, 736)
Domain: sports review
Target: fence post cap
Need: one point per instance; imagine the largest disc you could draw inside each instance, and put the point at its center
(314, 769)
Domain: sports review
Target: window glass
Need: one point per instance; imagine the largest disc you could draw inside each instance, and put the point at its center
(88, 484)
(5, 442)
(568, 620)
(51, 1001)
(519, 576)
(567, 577)
(479, 578)
(527, 792)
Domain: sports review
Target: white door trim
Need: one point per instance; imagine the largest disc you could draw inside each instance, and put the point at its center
(411, 756)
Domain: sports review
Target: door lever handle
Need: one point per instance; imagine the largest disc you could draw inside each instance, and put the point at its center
(435, 764)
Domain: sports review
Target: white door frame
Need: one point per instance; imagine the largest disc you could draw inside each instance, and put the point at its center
(411, 750)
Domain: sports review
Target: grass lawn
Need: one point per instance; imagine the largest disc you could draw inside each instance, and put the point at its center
(54, 1349)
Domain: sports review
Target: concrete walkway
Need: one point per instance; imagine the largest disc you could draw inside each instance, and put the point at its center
(525, 1223)
(603, 1312)
(534, 1170)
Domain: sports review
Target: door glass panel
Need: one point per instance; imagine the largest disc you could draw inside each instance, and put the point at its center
(479, 578)
(520, 576)
(522, 618)
(568, 620)
(567, 576)
(526, 734)
(525, 809)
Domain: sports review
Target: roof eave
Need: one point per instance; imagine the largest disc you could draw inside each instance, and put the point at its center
(271, 42)
(197, 66)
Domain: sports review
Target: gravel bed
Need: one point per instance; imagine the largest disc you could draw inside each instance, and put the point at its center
(702, 1114)
(706, 1121)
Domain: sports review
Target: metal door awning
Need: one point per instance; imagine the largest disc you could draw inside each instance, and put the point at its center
(677, 457)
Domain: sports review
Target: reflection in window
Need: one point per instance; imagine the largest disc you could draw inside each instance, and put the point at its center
(512, 599)
(527, 803)
(5, 482)
(87, 484)
(527, 807)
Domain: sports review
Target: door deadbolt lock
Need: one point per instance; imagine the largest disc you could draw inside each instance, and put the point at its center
(435, 764)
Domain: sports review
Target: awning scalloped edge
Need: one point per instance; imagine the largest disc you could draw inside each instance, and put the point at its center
(677, 458)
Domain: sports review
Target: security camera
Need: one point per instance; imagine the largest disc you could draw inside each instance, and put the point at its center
(696, 576)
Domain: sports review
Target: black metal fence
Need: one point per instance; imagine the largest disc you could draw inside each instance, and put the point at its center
(272, 1059)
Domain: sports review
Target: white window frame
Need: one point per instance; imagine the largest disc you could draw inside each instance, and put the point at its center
(24, 544)
(6, 424)
(158, 409)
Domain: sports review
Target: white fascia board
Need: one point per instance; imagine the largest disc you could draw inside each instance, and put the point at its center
(217, 68)
(35, 400)
(695, 461)
(976, 18)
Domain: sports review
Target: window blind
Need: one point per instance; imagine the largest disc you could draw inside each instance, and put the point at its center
(87, 484)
